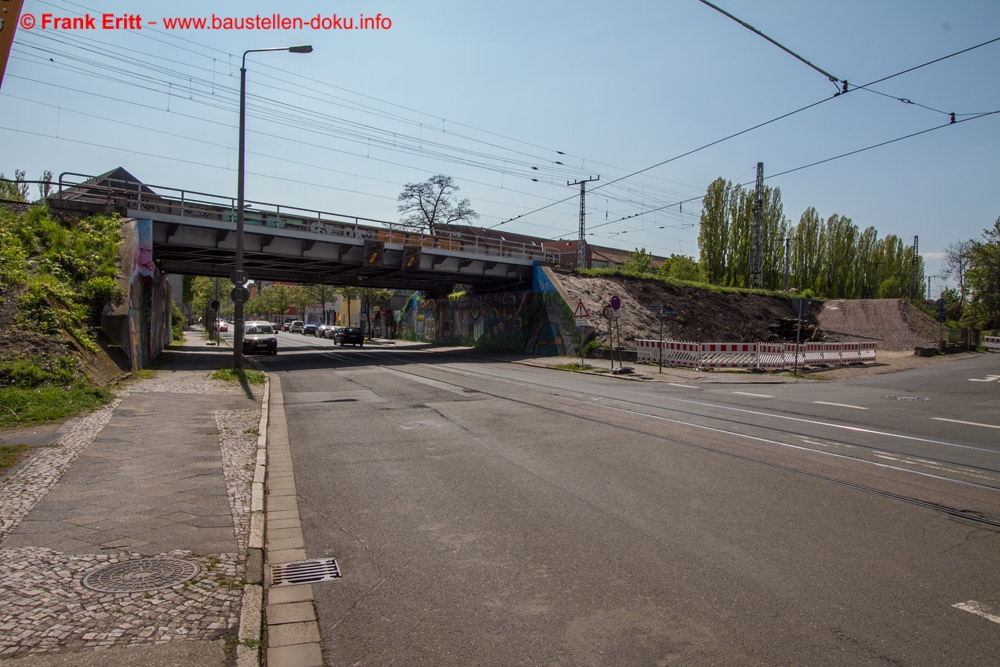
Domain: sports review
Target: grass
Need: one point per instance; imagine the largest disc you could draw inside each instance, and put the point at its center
(11, 454)
(243, 375)
(48, 403)
(573, 367)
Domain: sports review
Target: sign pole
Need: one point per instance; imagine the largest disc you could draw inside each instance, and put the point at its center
(661, 339)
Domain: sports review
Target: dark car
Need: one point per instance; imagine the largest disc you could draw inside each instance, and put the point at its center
(309, 329)
(350, 335)
(259, 337)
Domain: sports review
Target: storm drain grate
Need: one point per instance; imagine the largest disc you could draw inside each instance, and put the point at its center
(895, 397)
(142, 574)
(305, 572)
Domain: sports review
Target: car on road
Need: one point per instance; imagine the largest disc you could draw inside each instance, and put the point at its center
(259, 336)
(309, 329)
(350, 335)
(223, 327)
(286, 325)
(322, 329)
(277, 327)
(296, 326)
(332, 331)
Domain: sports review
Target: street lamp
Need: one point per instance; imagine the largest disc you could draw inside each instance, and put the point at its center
(239, 276)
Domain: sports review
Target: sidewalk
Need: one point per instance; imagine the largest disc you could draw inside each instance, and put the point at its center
(125, 541)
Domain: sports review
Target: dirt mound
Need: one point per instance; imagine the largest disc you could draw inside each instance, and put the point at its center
(703, 316)
(894, 324)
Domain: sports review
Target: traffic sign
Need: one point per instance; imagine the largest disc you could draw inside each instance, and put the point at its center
(616, 303)
(581, 310)
(239, 277)
(670, 312)
(655, 309)
(610, 313)
(240, 294)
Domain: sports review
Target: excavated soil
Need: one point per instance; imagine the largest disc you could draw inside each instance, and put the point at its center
(707, 316)
(892, 323)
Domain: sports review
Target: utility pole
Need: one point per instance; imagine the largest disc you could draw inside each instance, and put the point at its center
(914, 290)
(581, 252)
(757, 233)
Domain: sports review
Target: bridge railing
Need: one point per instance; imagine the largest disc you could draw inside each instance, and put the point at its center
(167, 200)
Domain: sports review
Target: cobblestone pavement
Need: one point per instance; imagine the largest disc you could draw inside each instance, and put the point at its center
(44, 606)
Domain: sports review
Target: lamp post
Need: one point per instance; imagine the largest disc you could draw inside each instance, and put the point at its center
(239, 277)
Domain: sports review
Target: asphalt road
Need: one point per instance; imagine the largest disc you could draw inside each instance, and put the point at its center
(486, 513)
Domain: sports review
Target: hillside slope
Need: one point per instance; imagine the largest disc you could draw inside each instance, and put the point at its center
(706, 316)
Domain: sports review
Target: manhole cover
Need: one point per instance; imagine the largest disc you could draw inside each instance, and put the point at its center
(305, 572)
(906, 398)
(143, 574)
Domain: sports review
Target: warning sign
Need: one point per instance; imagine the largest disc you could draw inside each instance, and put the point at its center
(581, 311)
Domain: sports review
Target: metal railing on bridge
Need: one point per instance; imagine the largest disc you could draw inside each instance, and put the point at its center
(193, 204)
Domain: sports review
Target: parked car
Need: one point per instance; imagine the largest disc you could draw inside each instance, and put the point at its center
(223, 327)
(296, 326)
(309, 329)
(277, 327)
(322, 329)
(286, 325)
(350, 335)
(259, 336)
(332, 331)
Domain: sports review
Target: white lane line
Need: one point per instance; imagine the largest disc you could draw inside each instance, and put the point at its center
(978, 609)
(747, 393)
(840, 405)
(685, 386)
(883, 456)
(959, 421)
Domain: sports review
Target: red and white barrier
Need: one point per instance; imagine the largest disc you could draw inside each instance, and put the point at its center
(755, 356)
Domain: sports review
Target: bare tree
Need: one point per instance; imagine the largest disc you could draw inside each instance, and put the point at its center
(432, 204)
(957, 259)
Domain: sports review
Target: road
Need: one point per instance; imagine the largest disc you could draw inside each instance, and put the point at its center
(485, 513)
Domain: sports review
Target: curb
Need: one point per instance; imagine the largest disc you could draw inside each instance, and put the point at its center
(252, 615)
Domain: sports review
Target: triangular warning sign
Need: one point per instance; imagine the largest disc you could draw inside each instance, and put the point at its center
(581, 310)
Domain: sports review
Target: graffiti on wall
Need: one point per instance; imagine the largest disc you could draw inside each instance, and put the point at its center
(148, 301)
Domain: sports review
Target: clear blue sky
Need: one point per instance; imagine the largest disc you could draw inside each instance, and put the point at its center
(491, 92)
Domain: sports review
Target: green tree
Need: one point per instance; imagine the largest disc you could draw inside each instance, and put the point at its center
(713, 233)
(983, 277)
(431, 205)
(681, 267)
(322, 294)
(957, 258)
(14, 189)
(350, 294)
(639, 261)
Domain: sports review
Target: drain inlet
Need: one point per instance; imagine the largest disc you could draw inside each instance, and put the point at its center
(304, 572)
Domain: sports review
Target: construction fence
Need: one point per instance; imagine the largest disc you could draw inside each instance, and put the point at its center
(991, 343)
(753, 356)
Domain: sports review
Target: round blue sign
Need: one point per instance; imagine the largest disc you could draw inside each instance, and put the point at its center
(616, 303)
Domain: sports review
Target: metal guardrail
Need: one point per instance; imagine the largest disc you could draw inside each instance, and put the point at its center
(754, 356)
(194, 204)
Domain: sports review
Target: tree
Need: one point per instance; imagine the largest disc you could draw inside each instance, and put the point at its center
(432, 205)
(14, 189)
(714, 231)
(639, 261)
(45, 184)
(681, 267)
(957, 258)
(983, 277)
(350, 294)
(322, 294)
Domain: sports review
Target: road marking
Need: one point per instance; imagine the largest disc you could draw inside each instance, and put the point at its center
(746, 393)
(989, 378)
(958, 421)
(840, 405)
(883, 456)
(686, 386)
(978, 609)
